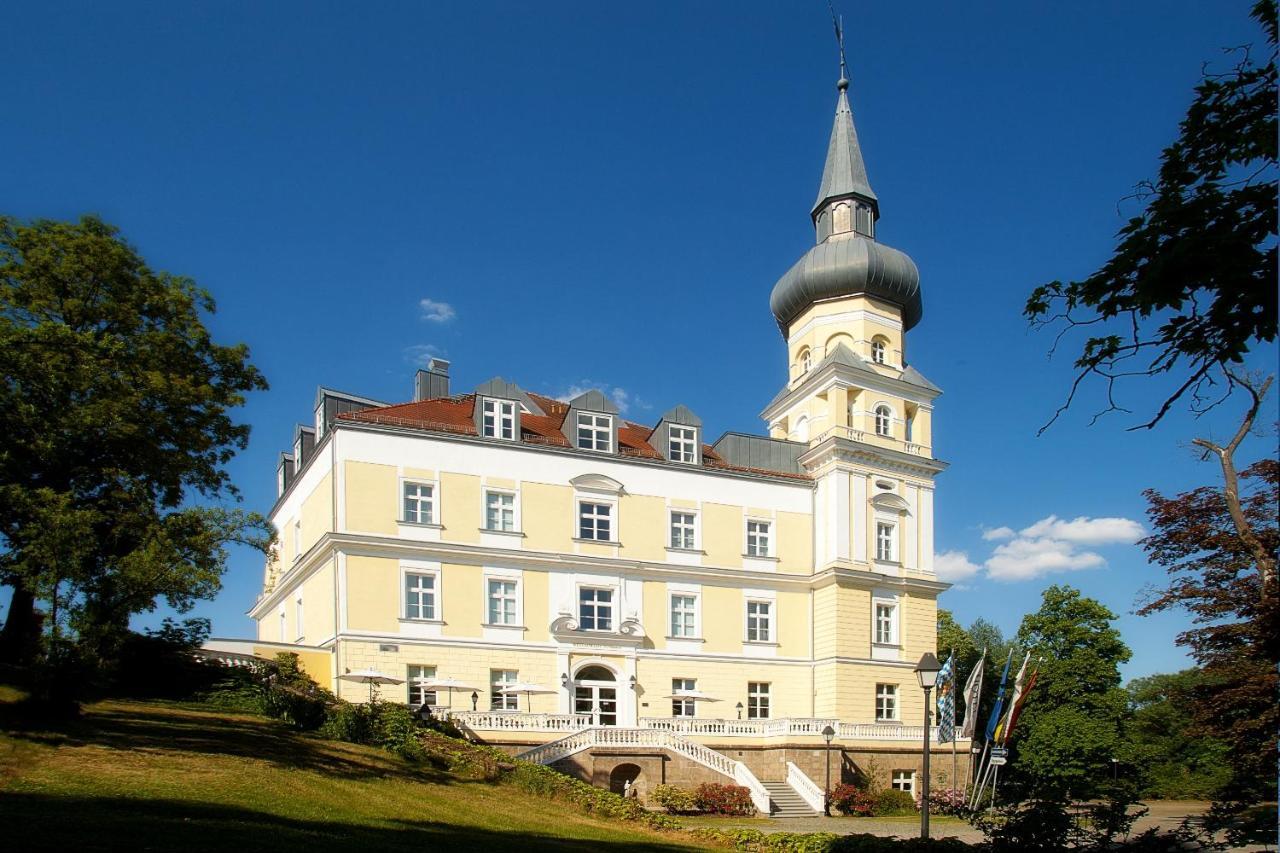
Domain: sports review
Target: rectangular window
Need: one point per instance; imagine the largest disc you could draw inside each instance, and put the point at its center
(758, 538)
(682, 444)
(595, 521)
(418, 678)
(498, 419)
(684, 616)
(595, 432)
(682, 530)
(758, 700)
(500, 511)
(595, 609)
(299, 629)
(904, 780)
(498, 680)
(759, 621)
(682, 707)
(886, 702)
(419, 596)
(886, 624)
(884, 541)
(502, 602)
(419, 503)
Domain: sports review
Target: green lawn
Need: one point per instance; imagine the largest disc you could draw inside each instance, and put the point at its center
(156, 776)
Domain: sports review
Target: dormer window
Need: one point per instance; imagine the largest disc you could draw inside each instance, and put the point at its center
(878, 349)
(682, 444)
(595, 432)
(498, 419)
(884, 420)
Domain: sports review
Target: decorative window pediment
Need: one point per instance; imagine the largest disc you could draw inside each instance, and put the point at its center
(892, 502)
(596, 483)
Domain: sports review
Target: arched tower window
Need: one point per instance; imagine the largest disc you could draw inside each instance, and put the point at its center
(879, 346)
(865, 220)
(806, 360)
(884, 420)
(802, 429)
(840, 219)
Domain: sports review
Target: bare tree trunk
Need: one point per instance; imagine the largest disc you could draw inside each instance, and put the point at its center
(1265, 560)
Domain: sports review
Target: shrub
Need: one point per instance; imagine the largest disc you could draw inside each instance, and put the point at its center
(674, 799)
(851, 800)
(891, 802)
(947, 801)
(713, 798)
(293, 696)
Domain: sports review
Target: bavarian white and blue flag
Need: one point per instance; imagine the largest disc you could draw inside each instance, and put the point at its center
(947, 701)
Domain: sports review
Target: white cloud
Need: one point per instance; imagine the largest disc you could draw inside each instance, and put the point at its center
(995, 533)
(1087, 531)
(954, 566)
(436, 312)
(1025, 558)
(419, 354)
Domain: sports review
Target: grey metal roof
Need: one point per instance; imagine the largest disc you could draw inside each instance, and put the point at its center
(846, 265)
(593, 401)
(501, 388)
(915, 377)
(844, 174)
(682, 415)
(762, 452)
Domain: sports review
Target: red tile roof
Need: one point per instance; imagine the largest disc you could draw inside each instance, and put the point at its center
(456, 415)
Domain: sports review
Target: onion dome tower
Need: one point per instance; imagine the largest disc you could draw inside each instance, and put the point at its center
(847, 259)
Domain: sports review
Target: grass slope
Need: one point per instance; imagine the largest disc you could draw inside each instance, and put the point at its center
(155, 776)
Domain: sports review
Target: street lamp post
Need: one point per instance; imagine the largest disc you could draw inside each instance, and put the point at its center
(827, 734)
(927, 674)
(475, 700)
(739, 707)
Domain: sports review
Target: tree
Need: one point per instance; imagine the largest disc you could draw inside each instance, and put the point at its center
(1236, 611)
(1191, 285)
(1070, 727)
(115, 406)
(968, 645)
(1173, 760)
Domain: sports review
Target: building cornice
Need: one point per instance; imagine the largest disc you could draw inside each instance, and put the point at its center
(836, 373)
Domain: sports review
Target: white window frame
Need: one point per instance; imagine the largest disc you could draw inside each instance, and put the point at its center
(887, 708)
(515, 510)
(877, 622)
(886, 541)
(749, 534)
(882, 414)
(297, 456)
(432, 502)
(682, 628)
(437, 605)
(759, 700)
(903, 780)
(503, 701)
(498, 419)
(515, 599)
(612, 604)
(759, 620)
(691, 527)
(414, 681)
(683, 708)
(684, 447)
(879, 350)
(596, 428)
(806, 360)
(610, 516)
(300, 628)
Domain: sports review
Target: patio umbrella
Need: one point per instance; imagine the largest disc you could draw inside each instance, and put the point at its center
(528, 688)
(694, 695)
(370, 677)
(449, 684)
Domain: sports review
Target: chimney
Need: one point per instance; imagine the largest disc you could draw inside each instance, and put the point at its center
(432, 383)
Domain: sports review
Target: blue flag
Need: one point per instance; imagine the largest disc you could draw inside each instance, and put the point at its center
(994, 720)
(947, 701)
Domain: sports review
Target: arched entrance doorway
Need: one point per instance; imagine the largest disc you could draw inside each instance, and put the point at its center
(595, 692)
(623, 777)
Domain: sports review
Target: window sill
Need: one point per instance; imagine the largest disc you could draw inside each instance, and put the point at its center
(895, 563)
(675, 550)
(516, 533)
(760, 557)
(598, 541)
(408, 621)
(687, 639)
(878, 645)
(501, 625)
(888, 722)
(760, 643)
(427, 524)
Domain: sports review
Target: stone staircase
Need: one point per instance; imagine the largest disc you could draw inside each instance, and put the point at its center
(786, 802)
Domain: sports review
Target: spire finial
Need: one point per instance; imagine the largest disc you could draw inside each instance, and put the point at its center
(838, 23)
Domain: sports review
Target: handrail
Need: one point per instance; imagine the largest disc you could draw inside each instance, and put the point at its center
(759, 796)
(785, 726)
(518, 722)
(806, 788)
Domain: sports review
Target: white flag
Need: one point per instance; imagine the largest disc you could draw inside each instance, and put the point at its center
(972, 692)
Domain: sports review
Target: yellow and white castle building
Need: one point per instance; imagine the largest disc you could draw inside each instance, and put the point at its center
(666, 608)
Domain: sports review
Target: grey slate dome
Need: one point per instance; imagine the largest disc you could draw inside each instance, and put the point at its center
(847, 260)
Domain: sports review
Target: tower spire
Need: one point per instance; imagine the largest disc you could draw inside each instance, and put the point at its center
(845, 174)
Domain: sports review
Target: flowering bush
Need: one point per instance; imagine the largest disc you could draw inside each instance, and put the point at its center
(674, 799)
(947, 802)
(851, 800)
(724, 799)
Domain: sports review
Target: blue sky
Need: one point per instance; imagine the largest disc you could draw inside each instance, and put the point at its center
(604, 195)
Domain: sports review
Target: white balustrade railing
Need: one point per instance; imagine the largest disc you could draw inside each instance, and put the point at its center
(517, 722)
(806, 788)
(851, 434)
(759, 796)
(787, 726)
